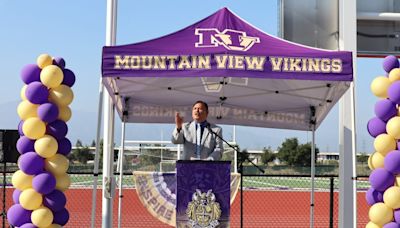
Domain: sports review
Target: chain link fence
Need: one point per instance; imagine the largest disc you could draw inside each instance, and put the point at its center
(279, 198)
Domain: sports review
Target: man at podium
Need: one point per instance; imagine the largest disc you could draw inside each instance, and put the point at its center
(198, 136)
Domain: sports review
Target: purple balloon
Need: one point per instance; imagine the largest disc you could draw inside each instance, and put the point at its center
(390, 62)
(396, 215)
(31, 163)
(376, 127)
(30, 73)
(391, 225)
(60, 62)
(372, 196)
(61, 217)
(17, 215)
(392, 162)
(20, 131)
(25, 144)
(44, 183)
(28, 225)
(58, 129)
(381, 179)
(64, 146)
(48, 112)
(385, 109)
(394, 92)
(15, 195)
(55, 200)
(69, 78)
(37, 93)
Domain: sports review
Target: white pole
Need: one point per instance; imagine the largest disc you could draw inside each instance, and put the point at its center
(234, 151)
(97, 154)
(347, 127)
(312, 176)
(108, 134)
(121, 172)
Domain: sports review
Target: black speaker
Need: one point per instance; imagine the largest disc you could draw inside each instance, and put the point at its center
(8, 145)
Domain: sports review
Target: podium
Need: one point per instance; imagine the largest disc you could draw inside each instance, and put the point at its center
(158, 191)
(203, 193)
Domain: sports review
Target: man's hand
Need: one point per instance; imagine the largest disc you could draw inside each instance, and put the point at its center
(178, 121)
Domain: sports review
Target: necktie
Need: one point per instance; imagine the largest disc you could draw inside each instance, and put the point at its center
(198, 140)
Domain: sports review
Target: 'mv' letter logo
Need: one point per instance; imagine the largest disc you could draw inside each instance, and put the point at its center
(231, 39)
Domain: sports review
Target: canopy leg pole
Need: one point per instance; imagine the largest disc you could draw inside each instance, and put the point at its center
(121, 172)
(108, 127)
(312, 176)
(97, 154)
(347, 128)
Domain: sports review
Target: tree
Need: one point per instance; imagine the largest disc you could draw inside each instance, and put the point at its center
(268, 155)
(81, 153)
(294, 154)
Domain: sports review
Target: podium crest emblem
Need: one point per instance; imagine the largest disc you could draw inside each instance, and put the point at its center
(203, 211)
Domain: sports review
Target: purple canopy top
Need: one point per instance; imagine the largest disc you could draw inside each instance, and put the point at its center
(225, 45)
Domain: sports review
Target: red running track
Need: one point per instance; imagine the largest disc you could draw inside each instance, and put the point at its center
(261, 209)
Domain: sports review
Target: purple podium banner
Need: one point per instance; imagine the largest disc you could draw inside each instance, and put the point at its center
(203, 194)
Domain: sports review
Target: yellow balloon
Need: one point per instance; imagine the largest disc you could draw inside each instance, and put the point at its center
(62, 182)
(61, 95)
(376, 160)
(51, 76)
(380, 214)
(391, 197)
(44, 60)
(394, 75)
(46, 146)
(42, 217)
(21, 180)
(30, 199)
(393, 127)
(64, 113)
(34, 128)
(379, 86)
(27, 110)
(57, 164)
(22, 93)
(397, 181)
(372, 225)
(384, 143)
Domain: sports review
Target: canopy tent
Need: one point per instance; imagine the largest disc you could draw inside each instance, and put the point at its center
(245, 75)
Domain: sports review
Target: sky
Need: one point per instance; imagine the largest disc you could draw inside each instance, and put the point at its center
(76, 30)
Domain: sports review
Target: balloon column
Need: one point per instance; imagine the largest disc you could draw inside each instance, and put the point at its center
(384, 194)
(40, 182)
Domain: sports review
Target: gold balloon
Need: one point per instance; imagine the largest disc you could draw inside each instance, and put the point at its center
(34, 128)
(61, 95)
(30, 199)
(376, 160)
(54, 226)
(379, 86)
(391, 197)
(62, 182)
(394, 75)
(64, 113)
(393, 127)
(42, 217)
(44, 60)
(26, 110)
(384, 143)
(46, 146)
(21, 180)
(380, 214)
(22, 93)
(372, 225)
(57, 164)
(51, 76)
